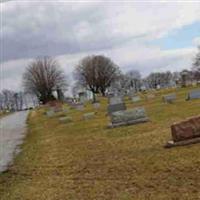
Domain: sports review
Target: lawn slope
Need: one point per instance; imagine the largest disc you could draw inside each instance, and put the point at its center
(83, 160)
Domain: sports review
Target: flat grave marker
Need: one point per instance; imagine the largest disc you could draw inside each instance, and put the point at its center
(128, 117)
(88, 116)
(194, 94)
(169, 98)
(65, 119)
(136, 99)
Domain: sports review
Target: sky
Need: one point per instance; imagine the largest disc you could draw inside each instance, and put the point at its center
(148, 36)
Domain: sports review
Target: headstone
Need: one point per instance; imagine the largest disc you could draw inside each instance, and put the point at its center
(65, 119)
(88, 116)
(96, 105)
(56, 109)
(80, 107)
(194, 94)
(50, 113)
(185, 132)
(170, 98)
(65, 110)
(116, 104)
(83, 97)
(115, 100)
(128, 117)
(136, 99)
(150, 96)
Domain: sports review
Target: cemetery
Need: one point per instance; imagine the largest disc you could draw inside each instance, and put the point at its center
(87, 159)
(100, 100)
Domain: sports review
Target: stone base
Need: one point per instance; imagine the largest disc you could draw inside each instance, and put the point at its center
(127, 123)
(171, 143)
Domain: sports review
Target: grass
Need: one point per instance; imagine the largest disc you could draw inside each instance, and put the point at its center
(3, 114)
(83, 160)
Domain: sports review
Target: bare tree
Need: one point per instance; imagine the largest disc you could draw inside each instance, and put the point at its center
(96, 73)
(196, 66)
(42, 77)
(159, 79)
(134, 79)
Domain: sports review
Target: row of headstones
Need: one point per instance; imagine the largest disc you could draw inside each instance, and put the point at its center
(194, 94)
(170, 98)
(121, 116)
(65, 119)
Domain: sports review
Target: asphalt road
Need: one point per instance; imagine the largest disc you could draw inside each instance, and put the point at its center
(12, 132)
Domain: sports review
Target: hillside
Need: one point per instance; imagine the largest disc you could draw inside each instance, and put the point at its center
(84, 160)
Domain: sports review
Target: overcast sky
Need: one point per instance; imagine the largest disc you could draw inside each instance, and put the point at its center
(142, 35)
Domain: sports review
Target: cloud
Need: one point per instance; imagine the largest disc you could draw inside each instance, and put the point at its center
(196, 41)
(69, 31)
(52, 28)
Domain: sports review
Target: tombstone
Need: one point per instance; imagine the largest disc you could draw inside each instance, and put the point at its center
(170, 98)
(110, 94)
(96, 105)
(80, 107)
(194, 94)
(128, 117)
(88, 116)
(116, 104)
(82, 97)
(150, 96)
(136, 99)
(65, 110)
(65, 119)
(50, 113)
(115, 100)
(56, 109)
(185, 132)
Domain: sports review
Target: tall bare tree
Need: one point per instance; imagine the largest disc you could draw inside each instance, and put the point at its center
(96, 72)
(196, 65)
(134, 79)
(42, 77)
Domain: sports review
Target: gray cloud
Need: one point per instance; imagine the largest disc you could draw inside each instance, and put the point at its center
(70, 31)
(36, 28)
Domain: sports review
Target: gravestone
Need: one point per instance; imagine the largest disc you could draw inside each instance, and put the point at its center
(82, 97)
(136, 99)
(116, 104)
(194, 94)
(115, 100)
(65, 119)
(150, 96)
(128, 117)
(88, 116)
(65, 110)
(185, 132)
(170, 98)
(50, 113)
(96, 105)
(57, 109)
(79, 106)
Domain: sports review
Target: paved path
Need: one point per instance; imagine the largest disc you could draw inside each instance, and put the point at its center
(12, 132)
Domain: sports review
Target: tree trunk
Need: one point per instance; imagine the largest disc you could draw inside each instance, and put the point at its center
(94, 97)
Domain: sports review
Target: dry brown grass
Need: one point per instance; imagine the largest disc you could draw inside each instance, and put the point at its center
(83, 160)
